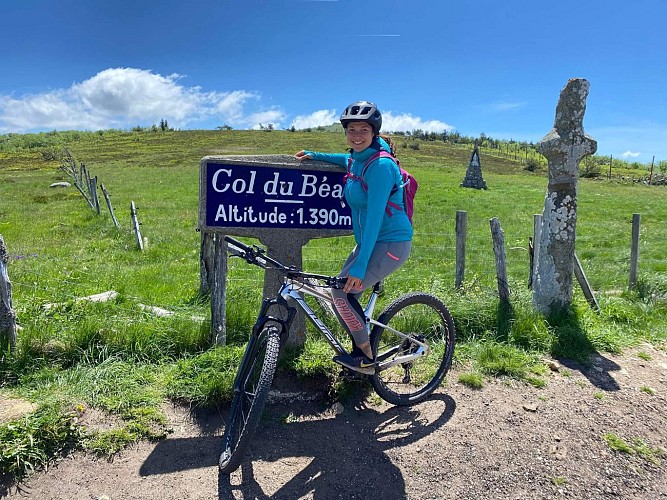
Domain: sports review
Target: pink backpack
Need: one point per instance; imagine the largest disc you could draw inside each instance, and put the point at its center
(409, 183)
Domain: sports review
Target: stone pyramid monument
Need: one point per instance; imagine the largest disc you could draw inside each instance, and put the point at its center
(474, 177)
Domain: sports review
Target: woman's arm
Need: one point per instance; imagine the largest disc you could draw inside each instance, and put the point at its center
(335, 158)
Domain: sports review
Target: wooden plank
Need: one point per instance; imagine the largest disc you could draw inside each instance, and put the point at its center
(585, 286)
(135, 226)
(108, 200)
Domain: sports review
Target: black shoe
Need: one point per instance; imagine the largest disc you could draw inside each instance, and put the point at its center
(356, 352)
(361, 364)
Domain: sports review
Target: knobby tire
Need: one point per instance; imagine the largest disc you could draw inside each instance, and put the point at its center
(249, 401)
(423, 315)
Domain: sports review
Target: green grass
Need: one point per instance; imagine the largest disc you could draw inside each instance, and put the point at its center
(117, 358)
(559, 481)
(644, 355)
(31, 442)
(473, 380)
(635, 447)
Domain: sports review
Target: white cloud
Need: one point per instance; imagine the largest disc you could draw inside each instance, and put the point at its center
(390, 122)
(134, 93)
(649, 138)
(320, 118)
(124, 97)
(274, 116)
(230, 105)
(407, 122)
(501, 106)
(46, 111)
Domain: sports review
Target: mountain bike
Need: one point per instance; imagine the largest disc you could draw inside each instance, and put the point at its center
(413, 341)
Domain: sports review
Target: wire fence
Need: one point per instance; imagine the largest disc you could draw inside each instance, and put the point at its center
(432, 263)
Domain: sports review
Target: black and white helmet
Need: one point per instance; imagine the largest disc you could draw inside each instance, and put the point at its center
(362, 111)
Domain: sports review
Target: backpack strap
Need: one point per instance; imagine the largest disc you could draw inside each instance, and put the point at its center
(380, 154)
(350, 175)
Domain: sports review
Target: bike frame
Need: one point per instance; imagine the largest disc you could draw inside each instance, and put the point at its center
(288, 291)
(296, 291)
(295, 286)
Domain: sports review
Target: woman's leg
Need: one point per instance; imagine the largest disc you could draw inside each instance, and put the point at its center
(385, 259)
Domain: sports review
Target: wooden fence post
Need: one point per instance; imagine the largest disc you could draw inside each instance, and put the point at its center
(219, 292)
(7, 313)
(499, 251)
(86, 181)
(81, 173)
(108, 200)
(461, 230)
(537, 234)
(634, 250)
(135, 225)
(206, 262)
(650, 177)
(85, 196)
(93, 195)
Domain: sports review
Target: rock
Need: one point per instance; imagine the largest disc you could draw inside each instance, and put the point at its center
(554, 366)
(558, 451)
(60, 184)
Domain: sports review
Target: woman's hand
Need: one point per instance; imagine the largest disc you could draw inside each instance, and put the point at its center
(352, 285)
(302, 155)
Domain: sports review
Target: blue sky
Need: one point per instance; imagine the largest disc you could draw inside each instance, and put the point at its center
(495, 67)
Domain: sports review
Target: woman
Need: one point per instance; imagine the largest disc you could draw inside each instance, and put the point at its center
(382, 230)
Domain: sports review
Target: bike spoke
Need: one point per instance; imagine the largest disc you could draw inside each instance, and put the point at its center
(411, 368)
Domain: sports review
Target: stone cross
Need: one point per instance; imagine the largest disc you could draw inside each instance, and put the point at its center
(564, 147)
(473, 176)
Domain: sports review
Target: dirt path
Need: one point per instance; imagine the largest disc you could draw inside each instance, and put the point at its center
(508, 440)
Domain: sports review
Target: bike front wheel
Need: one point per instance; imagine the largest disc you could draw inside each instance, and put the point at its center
(250, 397)
(410, 369)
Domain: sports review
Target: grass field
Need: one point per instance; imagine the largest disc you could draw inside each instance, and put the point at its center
(119, 359)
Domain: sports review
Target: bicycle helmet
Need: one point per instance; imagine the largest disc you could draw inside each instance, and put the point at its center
(362, 111)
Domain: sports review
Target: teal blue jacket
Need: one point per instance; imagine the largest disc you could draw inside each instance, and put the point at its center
(373, 220)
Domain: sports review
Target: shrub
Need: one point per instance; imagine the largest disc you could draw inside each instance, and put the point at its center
(532, 164)
(589, 168)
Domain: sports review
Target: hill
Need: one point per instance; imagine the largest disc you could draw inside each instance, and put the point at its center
(119, 363)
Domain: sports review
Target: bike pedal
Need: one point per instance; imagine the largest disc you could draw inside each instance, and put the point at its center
(351, 375)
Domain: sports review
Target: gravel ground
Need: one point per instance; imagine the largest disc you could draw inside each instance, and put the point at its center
(508, 440)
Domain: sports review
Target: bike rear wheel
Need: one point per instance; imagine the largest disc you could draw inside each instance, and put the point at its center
(425, 318)
(250, 398)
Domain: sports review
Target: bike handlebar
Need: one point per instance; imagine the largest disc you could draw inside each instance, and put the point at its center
(256, 255)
